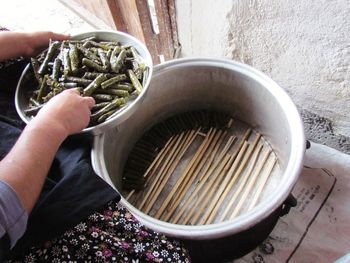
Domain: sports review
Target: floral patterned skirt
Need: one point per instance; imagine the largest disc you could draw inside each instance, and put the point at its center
(113, 235)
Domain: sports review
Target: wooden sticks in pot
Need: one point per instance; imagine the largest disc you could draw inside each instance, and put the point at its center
(192, 170)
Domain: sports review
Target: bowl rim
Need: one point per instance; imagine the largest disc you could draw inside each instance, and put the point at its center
(262, 210)
(121, 114)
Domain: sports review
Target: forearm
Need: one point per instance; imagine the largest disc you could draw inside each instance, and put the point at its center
(13, 44)
(27, 44)
(27, 164)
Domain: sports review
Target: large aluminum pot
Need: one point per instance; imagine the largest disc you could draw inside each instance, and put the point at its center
(223, 85)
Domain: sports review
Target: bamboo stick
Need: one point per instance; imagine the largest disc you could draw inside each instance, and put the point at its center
(170, 195)
(165, 172)
(201, 183)
(209, 190)
(154, 174)
(155, 162)
(166, 165)
(193, 167)
(206, 177)
(227, 186)
(159, 157)
(244, 179)
(202, 160)
(193, 163)
(130, 194)
(182, 149)
(183, 186)
(229, 124)
(211, 208)
(245, 137)
(262, 183)
(160, 173)
(213, 154)
(250, 184)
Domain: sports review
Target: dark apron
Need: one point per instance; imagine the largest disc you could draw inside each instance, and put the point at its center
(72, 190)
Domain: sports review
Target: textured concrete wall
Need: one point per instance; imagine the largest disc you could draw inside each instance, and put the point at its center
(304, 45)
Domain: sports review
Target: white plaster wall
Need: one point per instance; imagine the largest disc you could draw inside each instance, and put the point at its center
(304, 45)
(203, 27)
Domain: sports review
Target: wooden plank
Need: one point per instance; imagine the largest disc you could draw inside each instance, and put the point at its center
(116, 15)
(134, 17)
(171, 7)
(127, 9)
(95, 12)
(164, 39)
(150, 37)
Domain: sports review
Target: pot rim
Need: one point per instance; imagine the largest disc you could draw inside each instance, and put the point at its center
(263, 209)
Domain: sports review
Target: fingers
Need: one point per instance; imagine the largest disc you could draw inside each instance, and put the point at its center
(73, 90)
(37, 41)
(46, 35)
(89, 101)
(56, 36)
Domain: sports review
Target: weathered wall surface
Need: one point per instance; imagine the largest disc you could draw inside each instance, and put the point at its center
(304, 45)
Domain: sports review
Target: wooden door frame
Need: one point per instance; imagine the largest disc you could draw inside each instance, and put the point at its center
(151, 21)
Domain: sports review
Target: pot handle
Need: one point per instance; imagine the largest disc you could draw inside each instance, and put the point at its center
(308, 144)
(290, 202)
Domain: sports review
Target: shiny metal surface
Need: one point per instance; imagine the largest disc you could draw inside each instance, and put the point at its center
(121, 115)
(227, 86)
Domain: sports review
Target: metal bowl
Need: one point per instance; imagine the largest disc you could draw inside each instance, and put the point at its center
(26, 81)
(223, 85)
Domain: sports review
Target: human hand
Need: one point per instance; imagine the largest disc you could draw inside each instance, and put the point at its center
(37, 41)
(66, 113)
(15, 44)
